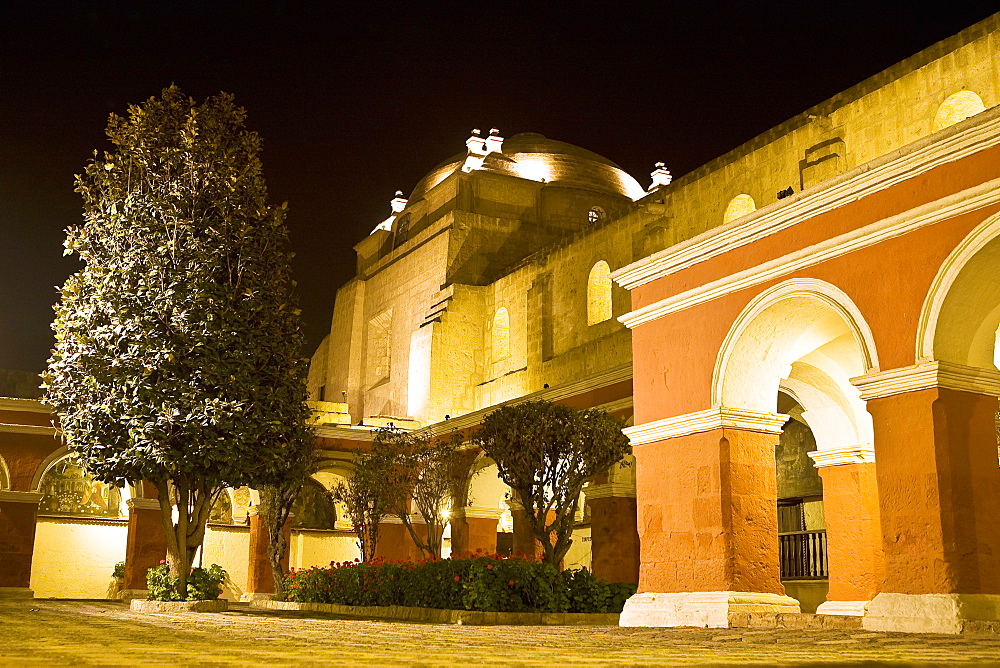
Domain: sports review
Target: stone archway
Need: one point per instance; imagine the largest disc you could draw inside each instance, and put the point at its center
(807, 339)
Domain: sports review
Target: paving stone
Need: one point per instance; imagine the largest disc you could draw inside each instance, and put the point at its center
(92, 632)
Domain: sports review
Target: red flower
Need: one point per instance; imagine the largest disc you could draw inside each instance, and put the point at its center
(489, 567)
(163, 561)
(457, 578)
(511, 583)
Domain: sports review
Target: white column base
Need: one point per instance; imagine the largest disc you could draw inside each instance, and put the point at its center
(249, 596)
(851, 608)
(702, 608)
(8, 593)
(929, 613)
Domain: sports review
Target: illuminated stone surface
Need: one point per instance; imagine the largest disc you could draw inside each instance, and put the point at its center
(62, 632)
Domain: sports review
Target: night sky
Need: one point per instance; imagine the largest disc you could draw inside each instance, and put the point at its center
(355, 101)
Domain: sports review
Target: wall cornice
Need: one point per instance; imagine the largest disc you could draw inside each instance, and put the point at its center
(927, 375)
(957, 204)
(23, 405)
(476, 512)
(37, 430)
(616, 489)
(858, 454)
(707, 420)
(7, 496)
(905, 163)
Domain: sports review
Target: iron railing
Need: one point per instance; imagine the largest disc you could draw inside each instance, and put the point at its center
(803, 555)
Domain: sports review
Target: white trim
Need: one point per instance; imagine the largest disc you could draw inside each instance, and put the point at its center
(37, 430)
(926, 375)
(8, 496)
(905, 163)
(829, 294)
(4, 474)
(611, 489)
(956, 204)
(858, 454)
(700, 608)
(984, 233)
(345, 433)
(46, 464)
(23, 405)
(476, 512)
(141, 503)
(707, 420)
(849, 608)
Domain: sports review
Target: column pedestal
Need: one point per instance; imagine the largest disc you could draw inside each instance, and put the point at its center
(854, 536)
(614, 536)
(145, 545)
(939, 488)
(474, 529)
(260, 576)
(18, 514)
(707, 517)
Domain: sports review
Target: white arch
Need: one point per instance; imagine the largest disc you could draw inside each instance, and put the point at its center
(807, 337)
(599, 293)
(47, 463)
(739, 206)
(4, 474)
(969, 340)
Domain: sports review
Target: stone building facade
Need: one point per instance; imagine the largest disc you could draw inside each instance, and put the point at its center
(801, 335)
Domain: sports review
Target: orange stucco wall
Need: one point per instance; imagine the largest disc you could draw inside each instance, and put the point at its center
(888, 282)
(707, 513)
(939, 489)
(854, 536)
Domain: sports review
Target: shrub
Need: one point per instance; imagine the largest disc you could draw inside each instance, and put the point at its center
(119, 572)
(476, 582)
(204, 584)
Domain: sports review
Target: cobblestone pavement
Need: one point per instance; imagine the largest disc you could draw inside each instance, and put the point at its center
(97, 632)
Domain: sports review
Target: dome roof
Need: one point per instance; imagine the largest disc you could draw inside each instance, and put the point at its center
(532, 156)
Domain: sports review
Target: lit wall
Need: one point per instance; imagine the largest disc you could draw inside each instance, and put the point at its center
(319, 548)
(230, 548)
(75, 558)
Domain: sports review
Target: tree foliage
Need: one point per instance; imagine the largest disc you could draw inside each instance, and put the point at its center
(421, 477)
(177, 353)
(546, 452)
(365, 500)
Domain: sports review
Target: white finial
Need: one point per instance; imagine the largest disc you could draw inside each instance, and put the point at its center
(477, 152)
(494, 142)
(399, 203)
(661, 177)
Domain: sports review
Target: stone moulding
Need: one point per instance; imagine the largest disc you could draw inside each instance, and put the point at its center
(932, 613)
(218, 605)
(710, 609)
(436, 616)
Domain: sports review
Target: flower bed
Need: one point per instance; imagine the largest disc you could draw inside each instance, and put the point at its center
(480, 582)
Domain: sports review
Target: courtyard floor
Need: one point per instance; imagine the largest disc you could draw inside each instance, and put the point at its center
(53, 632)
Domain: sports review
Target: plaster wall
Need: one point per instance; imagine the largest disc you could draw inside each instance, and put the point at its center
(74, 558)
(319, 548)
(229, 546)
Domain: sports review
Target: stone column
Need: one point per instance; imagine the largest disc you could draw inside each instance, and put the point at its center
(707, 515)
(474, 528)
(260, 576)
(614, 537)
(145, 546)
(395, 542)
(18, 514)
(939, 496)
(853, 533)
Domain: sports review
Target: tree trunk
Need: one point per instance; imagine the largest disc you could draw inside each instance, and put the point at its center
(184, 538)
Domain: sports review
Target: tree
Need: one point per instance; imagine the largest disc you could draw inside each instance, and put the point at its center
(546, 452)
(420, 470)
(365, 500)
(277, 496)
(177, 354)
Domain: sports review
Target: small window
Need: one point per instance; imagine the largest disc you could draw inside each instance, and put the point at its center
(595, 215)
(739, 206)
(321, 395)
(501, 335)
(599, 293)
(963, 104)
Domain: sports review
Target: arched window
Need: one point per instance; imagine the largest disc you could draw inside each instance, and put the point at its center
(957, 108)
(599, 293)
(67, 489)
(739, 206)
(501, 334)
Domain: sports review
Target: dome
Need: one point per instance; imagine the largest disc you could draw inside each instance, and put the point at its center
(532, 156)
